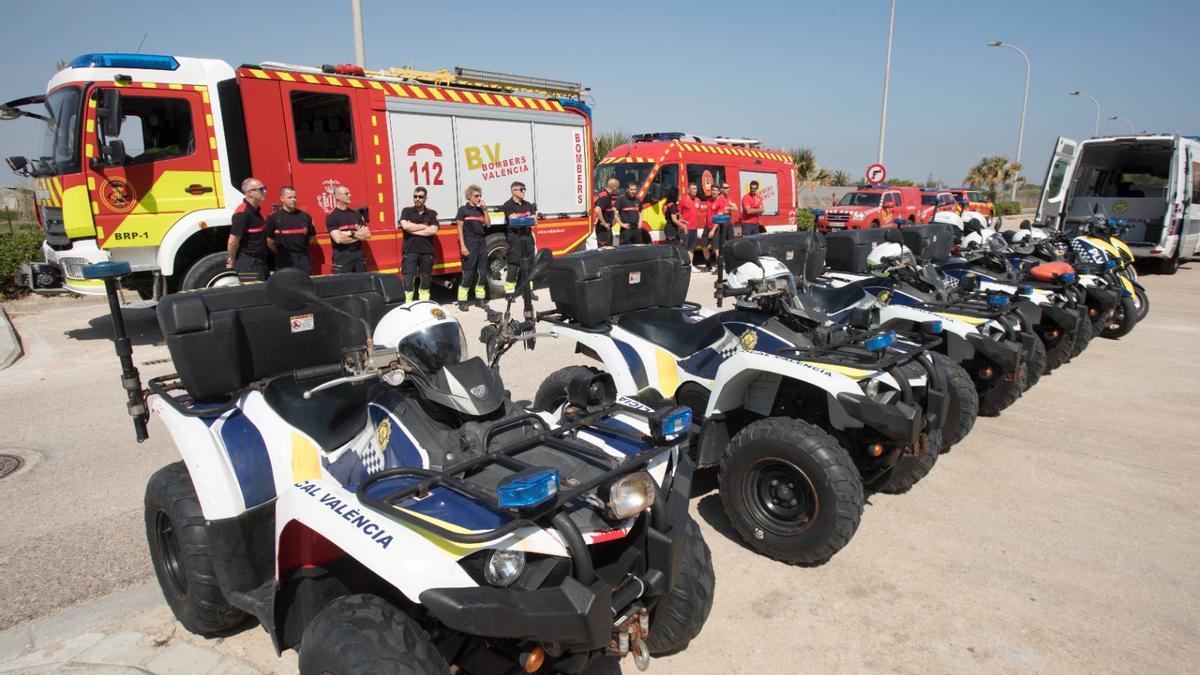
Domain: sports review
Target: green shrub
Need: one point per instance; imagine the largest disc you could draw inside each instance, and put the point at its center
(1008, 208)
(15, 249)
(805, 220)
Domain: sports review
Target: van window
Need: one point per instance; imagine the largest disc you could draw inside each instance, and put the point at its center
(155, 128)
(696, 174)
(324, 127)
(1058, 172)
(1196, 182)
(625, 173)
(666, 178)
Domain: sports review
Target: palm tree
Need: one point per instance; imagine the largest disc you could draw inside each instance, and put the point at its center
(992, 172)
(808, 172)
(605, 142)
(839, 178)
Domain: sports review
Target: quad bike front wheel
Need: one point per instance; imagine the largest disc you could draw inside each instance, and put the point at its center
(907, 470)
(964, 402)
(363, 635)
(791, 490)
(1001, 391)
(181, 556)
(1123, 319)
(1087, 331)
(1142, 302)
(1037, 361)
(552, 392)
(680, 614)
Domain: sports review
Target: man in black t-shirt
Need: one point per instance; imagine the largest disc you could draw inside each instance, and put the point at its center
(472, 224)
(289, 233)
(420, 226)
(247, 245)
(629, 210)
(605, 212)
(519, 218)
(347, 231)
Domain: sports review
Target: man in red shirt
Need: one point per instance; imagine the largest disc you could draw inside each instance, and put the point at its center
(752, 208)
(718, 233)
(704, 222)
(689, 213)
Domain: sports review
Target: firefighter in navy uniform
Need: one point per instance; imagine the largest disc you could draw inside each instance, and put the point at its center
(629, 210)
(348, 231)
(247, 244)
(472, 224)
(605, 212)
(519, 218)
(289, 233)
(420, 226)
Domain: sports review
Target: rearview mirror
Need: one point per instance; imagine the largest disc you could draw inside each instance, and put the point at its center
(291, 289)
(109, 112)
(17, 163)
(9, 113)
(114, 152)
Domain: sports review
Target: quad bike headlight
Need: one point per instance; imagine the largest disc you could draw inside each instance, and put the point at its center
(630, 495)
(504, 567)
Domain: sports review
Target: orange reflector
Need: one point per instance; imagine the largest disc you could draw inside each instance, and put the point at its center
(987, 371)
(875, 449)
(1052, 334)
(532, 661)
(203, 224)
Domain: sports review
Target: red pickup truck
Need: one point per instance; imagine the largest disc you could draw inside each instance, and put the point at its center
(874, 206)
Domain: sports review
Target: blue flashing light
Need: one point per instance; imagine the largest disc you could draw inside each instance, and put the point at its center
(932, 327)
(527, 488)
(524, 221)
(579, 105)
(997, 300)
(881, 342)
(677, 422)
(1027, 290)
(1109, 264)
(145, 61)
(110, 269)
(723, 219)
(1068, 278)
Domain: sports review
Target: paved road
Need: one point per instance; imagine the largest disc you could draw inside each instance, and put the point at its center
(1060, 536)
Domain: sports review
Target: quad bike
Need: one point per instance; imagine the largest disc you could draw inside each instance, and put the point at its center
(373, 497)
(796, 428)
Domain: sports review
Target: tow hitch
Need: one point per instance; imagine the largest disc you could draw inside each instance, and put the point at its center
(630, 632)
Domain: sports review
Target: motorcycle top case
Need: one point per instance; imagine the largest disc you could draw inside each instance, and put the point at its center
(222, 339)
(931, 242)
(798, 251)
(591, 286)
(847, 250)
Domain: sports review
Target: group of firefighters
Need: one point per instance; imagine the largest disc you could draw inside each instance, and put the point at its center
(692, 221)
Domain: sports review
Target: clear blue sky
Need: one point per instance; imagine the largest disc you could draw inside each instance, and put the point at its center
(790, 73)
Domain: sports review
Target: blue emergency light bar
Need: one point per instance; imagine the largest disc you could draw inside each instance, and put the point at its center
(144, 61)
(997, 300)
(677, 422)
(881, 342)
(1068, 278)
(527, 488)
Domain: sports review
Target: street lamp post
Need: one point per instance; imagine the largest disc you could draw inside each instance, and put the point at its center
(1024, 105)
(1096, 129)
(360, 52)
(887, 71)
(1132, 130)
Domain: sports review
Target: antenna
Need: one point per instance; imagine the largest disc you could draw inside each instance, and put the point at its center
(139, 49)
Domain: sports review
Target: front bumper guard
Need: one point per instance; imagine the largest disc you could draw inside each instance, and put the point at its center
(1006, 355)
(900, 422)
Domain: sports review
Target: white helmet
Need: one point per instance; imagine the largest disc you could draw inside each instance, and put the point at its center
(888, 255)
(949, 218)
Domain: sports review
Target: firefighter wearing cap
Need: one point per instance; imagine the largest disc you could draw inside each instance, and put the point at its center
(420, 226)
(752, 208)
(348, 231)
(246, 248)
(472, 224)
(605, 212)
(629, 211)
(519, 218)
(289, 233)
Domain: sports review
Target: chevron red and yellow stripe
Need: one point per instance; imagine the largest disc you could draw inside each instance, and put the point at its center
(716, 149)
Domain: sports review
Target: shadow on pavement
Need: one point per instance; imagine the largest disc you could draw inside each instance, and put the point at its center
(140, 324)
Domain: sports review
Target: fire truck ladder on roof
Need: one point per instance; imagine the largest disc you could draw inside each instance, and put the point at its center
(460, 77)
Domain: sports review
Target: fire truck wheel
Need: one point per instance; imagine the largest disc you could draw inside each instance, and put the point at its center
(874, 224)
(208, 272)
(497, 263)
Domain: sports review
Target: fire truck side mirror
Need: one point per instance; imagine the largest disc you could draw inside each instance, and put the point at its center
(111, 154)
(365, 213)
(109, 112)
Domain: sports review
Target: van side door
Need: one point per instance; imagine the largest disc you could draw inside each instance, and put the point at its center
(1052, 205)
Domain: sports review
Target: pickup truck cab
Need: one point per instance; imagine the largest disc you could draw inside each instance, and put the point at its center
(873, 206)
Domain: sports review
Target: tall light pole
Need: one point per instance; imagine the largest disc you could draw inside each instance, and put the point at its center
(1096, 130)
(1024, 104)
(1132, 130)
(360, 51)
(887, 72)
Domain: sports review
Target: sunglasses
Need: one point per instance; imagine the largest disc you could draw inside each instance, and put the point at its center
(518, 189)
(418, 196)
(257, 189)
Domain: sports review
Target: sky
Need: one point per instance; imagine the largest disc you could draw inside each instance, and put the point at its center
(798, 73)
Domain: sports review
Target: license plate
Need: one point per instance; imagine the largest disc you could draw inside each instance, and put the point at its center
(836, 226)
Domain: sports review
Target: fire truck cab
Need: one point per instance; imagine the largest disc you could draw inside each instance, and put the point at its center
(144, 156)
(658, 162)
(874, 206)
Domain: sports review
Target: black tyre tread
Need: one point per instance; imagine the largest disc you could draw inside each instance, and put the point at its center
(553, 390)
(1087, 331)
(198, 274)
(1041, 361)
(361, 634)
(905, 473)
(964, 402)
(842, 477)
(1145, 304)
(203, 609)
(680, 614)
(1130, 321)
(1001, 396)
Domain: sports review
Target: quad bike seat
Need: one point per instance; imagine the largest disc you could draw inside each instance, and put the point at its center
(1051, 271)
(331, 417)
(673, 329)
(833, 299)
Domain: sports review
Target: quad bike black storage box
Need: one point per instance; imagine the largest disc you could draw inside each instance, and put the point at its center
(591, 286)
(798, 251)
(847, 250)
(931, 242)
(222, 339)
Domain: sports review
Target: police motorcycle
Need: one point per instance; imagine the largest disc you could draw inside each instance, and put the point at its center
(984, 331)
(758, 279)
(373, 497)
(796, 429)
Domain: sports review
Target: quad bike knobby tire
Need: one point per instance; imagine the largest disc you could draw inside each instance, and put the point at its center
(964, 402)
(1037, 361)
(907, 470)
(361, 634)
(1123, 320)
(681, 613)
(552, 392)
(1087, 331)
(180, 554)
(791, 490)
(1002, 394)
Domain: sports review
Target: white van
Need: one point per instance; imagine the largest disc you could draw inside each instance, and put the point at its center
(1151, 180)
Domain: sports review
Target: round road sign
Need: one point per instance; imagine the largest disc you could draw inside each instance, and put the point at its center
(876, 173)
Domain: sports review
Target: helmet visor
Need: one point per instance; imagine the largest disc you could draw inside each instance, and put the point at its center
(434, 346)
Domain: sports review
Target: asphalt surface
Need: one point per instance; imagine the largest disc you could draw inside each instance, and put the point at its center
(1060, 536)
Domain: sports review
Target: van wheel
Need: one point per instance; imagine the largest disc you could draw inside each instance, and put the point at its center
(680, 614)
(362, 634)
(907, 470)
(1171, 265)
(497, 262)
(209, 272)
(1122, 320)
(180, 554)
(790, 490)
(964, 402)
(552, 393)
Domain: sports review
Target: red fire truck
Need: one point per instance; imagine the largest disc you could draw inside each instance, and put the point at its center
(144, 154)
(874, 206)
(660, 161)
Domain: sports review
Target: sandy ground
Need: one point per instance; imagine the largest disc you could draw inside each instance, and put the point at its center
(1059, 537)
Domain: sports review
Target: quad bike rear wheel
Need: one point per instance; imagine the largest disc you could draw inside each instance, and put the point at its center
(679, 615)
(964, 402)
(365, 634)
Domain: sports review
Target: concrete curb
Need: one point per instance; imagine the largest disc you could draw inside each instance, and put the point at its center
(10, 342)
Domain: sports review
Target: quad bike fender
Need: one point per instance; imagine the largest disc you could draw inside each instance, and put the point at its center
(1065, 317)
(1005, 354)
(619, 362)
(1107, 298)
(955, 330)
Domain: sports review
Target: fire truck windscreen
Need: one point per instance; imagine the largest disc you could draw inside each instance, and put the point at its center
(633, 172)
(60, 142)
(860, 199)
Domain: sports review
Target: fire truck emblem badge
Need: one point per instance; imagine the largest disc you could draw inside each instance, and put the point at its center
(117, 194)
(325, 197)
(1120, 206)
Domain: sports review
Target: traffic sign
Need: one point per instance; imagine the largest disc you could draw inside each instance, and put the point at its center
(876, 173)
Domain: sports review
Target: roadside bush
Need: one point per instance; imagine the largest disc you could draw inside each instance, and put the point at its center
(16, 249)
(1008, 208)
(805, 220)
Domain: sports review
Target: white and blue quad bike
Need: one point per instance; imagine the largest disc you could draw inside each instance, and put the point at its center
(758, 279)
(985, 332)
(795, 429)
(373, 497)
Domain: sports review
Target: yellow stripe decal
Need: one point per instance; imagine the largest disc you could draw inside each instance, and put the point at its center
(309, 78)
(356, 84)
(668, 374)
(453, 95)
(437, 93)
(285, 76)
(305, 463)
(470, 97)
(259, 74)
